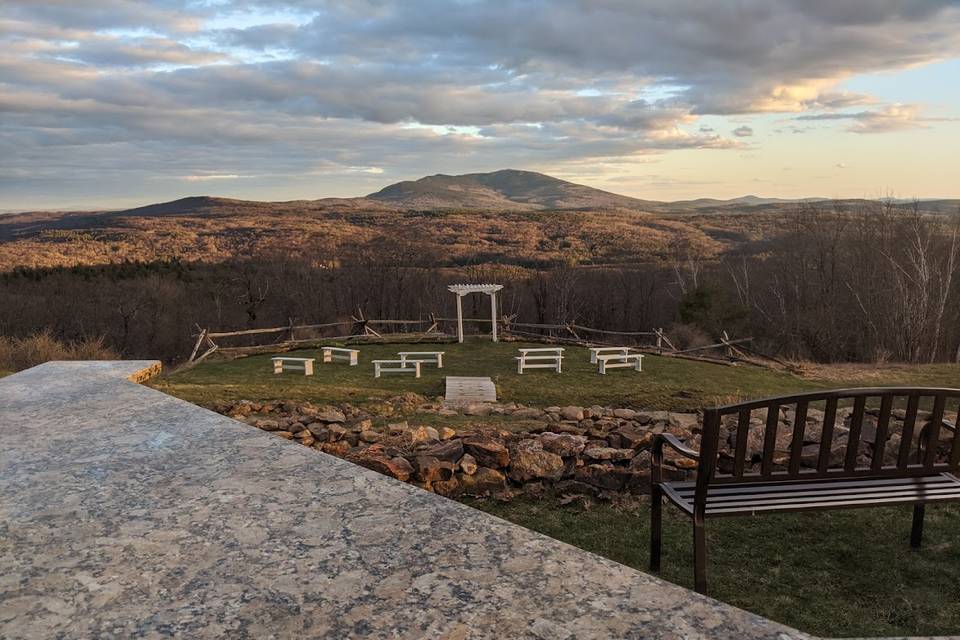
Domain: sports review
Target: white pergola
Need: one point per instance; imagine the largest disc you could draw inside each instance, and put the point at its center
(462, 290)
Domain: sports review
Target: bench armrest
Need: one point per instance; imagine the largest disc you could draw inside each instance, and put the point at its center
(950, 426)
(675, 444)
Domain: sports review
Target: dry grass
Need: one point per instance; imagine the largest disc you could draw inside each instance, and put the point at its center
(17, 354)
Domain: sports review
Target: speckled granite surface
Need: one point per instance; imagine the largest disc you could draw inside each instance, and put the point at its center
(128, 513)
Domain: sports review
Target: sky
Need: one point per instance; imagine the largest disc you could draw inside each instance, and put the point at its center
(118, 102)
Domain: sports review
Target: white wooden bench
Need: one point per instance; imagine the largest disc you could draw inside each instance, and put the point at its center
(596, 351)
(283, 363)
(617, 361)
(540, 358)
(435, 357)
(396, 366)
(339, 353)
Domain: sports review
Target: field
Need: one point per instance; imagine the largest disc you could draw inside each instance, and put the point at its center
(666, 383)
(844, 573)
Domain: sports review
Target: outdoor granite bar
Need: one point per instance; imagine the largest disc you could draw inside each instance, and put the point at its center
(121, 517)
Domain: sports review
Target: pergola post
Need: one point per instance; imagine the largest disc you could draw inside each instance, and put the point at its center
(463, 289)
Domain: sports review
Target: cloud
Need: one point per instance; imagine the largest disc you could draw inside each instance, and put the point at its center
(122, 91)
(895, 117)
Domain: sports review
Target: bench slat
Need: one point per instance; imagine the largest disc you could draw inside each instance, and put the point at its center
(826, 434)
(743, 430)
(853, 438)
(796, 442)
(883, 427)
(906, 437)
(770, 439)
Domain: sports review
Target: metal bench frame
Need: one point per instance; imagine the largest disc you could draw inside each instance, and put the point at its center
(921, 475)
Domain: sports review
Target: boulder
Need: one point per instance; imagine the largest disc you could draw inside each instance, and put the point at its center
(477, 409)
(330, 414)
(446, 433)
(447, 488)
(633, 439)
(605, 477)
(625, 414)
(572, 413)
(396, 467)
(483, 482)
(430, 469)
(608, 453)
(468, 464)
(450, 451)
(422, 434)
(266, 425)
(528, 461)
(284, 434)
(527, 412)
(565, 445)
(339, 448)
(370, 436)
(397, 428)
(489, 452)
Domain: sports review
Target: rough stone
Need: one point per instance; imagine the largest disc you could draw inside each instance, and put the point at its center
(329, 414)
(448, 451)
(468, 464)
(529, 461)
(423, 434)
(563, 444)
(483, 482)
(608, 453)
(430, 469)
(488, 451)
(572, 413)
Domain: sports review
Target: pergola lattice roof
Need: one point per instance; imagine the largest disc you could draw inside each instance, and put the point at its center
(461, 289)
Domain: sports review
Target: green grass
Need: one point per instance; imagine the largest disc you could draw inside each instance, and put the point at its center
(837, 573)
(666, 383)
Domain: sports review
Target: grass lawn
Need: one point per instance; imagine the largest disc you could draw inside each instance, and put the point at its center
(835, 574)
(666, 383)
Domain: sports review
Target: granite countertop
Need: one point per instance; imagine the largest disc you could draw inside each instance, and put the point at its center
(128, 513)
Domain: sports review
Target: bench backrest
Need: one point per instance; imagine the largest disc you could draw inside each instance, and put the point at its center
(914, 416)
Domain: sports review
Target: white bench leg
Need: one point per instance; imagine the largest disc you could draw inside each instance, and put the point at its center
(376, 370)
(520, 367)
(418, 368)
(327, 356)
(603, 367)
(308, 368)
(639, 366)
(278, 367)
(440, 361)
(353, 359)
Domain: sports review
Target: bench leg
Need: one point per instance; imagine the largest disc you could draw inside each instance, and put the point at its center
(328, 356)
(699, 555)
(308, 368)
(916, 532)
(376, 371)
(656, 526)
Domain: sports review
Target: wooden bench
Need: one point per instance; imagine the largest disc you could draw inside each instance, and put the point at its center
(339, 353)
(283, 363)
(435, 357)
(540, 358)
(831, 475)
(597, 351)
(396, 366)
(617, 361)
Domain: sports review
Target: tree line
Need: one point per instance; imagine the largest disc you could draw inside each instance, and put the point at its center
(872, 284)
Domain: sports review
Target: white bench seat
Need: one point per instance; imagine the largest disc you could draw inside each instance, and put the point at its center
(540, 358)
(339, 353)
(283, 363)
(396, 366)
(434, 357)
(597, 351)
(619, 361)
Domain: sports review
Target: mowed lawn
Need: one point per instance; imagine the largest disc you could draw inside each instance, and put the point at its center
(665, 383)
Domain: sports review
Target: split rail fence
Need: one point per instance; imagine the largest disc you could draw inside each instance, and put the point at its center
(359, 330)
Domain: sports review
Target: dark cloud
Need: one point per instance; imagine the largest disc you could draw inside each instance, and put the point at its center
(743, 131)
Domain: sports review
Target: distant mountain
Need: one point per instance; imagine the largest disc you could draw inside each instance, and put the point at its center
(749, 201)
(505, 189)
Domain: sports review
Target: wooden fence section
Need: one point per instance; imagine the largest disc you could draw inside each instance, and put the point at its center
(359, 330)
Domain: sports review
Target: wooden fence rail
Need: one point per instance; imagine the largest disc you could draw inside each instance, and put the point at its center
(362, 330)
